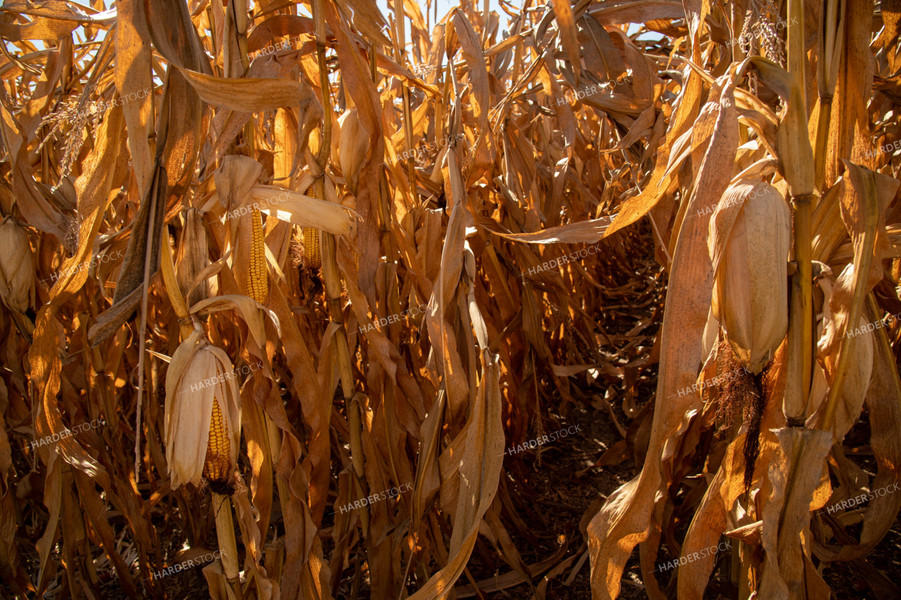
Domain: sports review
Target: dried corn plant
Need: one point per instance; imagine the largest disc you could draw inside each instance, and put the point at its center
(314, 268)
(782, 261)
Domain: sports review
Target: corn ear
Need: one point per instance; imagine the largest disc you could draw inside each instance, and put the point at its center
(216, 466)
(258, 282)
(193, 257)
(202, 415)
(312, 249)
(354, 141)
(16, 267)
(750, 296)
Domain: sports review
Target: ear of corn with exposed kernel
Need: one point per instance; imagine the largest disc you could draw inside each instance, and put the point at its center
(202, 414)
(16, 267)
(312, 250)
(258, 282)
(216, 465)
(750, 295)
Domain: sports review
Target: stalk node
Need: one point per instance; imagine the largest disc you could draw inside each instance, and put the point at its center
(795, 421)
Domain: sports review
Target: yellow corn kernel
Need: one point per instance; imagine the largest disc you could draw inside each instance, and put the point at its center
(259, 277)
(216, 465)
(312, 251)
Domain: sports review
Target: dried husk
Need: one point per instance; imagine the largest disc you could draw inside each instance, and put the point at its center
(16, 267)
(198, 374)
(750, 295)
(354, 141)
(193, 257)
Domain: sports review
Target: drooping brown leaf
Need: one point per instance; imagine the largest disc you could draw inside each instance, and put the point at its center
(629, 513)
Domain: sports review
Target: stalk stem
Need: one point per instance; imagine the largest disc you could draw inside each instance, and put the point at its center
(801, 205)
(823, 121)
(330, 274)
(225, 534)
